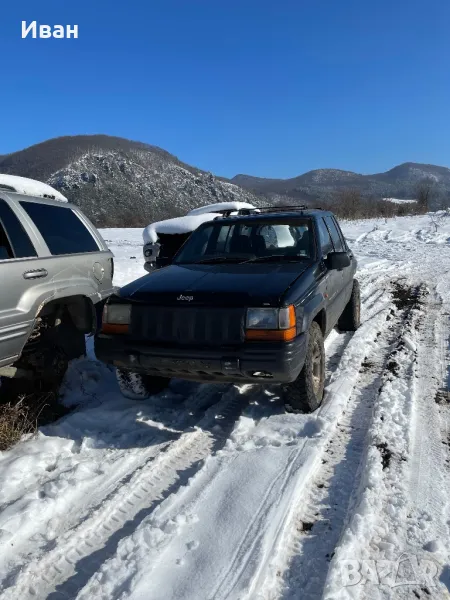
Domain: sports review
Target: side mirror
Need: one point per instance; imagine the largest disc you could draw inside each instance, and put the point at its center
(338, 260)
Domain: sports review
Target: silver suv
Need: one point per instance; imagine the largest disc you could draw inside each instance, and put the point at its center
(55, 272)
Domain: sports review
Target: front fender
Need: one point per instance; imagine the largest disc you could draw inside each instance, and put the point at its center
(311, 308)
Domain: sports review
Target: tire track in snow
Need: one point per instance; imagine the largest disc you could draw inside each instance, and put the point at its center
(85, 500)
(319, 524)
(61, 572)
(402, 455)
(428, 519)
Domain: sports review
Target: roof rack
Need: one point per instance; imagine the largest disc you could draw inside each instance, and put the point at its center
(265, 209)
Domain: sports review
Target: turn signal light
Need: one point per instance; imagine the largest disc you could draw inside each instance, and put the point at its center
(273, 335)
(114, 328)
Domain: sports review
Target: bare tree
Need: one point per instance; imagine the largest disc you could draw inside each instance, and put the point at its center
(436, 220)
(423, 194)
(349, 204)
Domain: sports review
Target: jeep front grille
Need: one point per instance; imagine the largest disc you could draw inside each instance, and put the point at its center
(188, 325)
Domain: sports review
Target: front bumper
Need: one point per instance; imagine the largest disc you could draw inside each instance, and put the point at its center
(272, 362)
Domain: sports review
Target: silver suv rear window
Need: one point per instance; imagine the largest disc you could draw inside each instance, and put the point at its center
(62, 230)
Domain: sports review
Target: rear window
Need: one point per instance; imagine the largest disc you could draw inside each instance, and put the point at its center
(62, 230)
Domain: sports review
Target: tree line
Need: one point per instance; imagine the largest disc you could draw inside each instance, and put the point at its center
(352, 204)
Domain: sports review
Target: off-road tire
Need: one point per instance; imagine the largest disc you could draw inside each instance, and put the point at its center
(305, 394)
(350, 318)
(139, 386)
(52, 345)
(46, 355)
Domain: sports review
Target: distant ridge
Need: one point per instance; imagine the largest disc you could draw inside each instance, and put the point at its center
(399, 182)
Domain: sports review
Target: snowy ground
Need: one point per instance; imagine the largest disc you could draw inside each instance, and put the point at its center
(213, 492)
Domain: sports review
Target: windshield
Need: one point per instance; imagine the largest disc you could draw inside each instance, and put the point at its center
(249, 241)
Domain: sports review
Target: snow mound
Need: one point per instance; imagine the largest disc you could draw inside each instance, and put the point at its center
(210, 208)
(177, 225)
(30, 187)
(432, 229)
(399, 201)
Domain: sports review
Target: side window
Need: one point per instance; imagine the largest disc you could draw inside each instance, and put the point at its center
(337, 241)
(344, 243)
(14, 240)
(324, 237)
(62, 230)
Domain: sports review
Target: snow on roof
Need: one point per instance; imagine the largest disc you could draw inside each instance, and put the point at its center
(30, 187)
(210, 208)
(178, 225)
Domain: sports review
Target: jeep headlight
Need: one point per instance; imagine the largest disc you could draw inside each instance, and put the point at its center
(270, 318)
(116, 318)
(271, 324)
(119, 314)
(262, 318)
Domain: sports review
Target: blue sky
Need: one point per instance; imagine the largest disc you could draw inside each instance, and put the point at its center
(266, 88)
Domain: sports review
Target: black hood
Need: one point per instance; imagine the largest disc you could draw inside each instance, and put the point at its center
(235, 284)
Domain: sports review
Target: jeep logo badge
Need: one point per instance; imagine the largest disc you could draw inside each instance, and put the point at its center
(186, 298)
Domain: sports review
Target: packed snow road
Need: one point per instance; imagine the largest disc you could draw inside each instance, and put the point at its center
(213, 492)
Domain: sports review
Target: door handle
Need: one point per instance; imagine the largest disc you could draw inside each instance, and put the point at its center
(35, 274)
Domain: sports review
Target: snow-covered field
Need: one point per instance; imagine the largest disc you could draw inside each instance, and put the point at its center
(213, 492)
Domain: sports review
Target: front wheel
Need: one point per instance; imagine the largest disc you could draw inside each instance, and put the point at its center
(305, 394)
(139, 386)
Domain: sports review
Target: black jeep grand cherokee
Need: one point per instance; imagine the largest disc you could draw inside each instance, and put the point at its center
(248, 298)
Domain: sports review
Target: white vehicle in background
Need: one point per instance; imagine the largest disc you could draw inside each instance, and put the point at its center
(163, 239)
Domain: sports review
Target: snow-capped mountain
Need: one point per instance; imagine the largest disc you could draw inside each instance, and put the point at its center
(118, 182)
(399, 182)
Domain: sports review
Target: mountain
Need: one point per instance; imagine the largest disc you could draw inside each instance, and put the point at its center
(399, 182)
(118, 182)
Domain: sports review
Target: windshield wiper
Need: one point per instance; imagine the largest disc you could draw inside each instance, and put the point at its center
(275, 256)
(219, 259)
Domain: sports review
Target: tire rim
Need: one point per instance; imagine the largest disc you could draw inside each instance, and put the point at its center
(316, 367)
